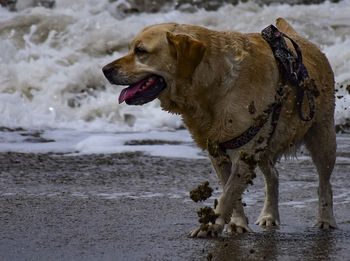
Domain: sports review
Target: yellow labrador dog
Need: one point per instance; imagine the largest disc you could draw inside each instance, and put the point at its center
(222, 84)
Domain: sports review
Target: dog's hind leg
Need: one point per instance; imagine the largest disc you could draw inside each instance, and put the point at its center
(269, 215)
(321, 142)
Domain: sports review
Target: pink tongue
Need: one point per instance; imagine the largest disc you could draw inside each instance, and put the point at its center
(130, 92)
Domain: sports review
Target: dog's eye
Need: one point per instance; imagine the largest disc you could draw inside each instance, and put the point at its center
(139, 50)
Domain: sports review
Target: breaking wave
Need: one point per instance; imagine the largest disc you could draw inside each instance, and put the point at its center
(51, 58)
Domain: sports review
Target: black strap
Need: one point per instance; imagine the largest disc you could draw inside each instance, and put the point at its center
(252, 131)
(241, 140)
(291, 67)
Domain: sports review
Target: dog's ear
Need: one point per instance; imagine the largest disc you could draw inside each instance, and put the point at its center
(188, 52)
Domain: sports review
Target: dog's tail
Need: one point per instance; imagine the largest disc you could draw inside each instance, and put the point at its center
(285, 27)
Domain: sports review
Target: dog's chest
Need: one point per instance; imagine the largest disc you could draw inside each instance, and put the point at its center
(206, 127)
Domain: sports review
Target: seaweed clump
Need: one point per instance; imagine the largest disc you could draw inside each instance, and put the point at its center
(206, 214)
(201, 193)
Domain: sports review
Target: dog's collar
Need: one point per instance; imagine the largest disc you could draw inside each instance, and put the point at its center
(292, 70)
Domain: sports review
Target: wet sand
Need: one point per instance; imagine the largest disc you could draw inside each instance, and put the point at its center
(135, 207)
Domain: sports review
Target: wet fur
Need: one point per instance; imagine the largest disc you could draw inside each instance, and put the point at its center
(212, 79)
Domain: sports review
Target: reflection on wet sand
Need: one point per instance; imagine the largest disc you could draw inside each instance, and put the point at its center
(276, 244)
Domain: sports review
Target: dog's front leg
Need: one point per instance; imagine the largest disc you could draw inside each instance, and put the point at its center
(223, 167)
(230, 208)
(230, 203)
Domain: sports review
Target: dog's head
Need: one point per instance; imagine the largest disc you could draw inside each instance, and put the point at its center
(157, 60)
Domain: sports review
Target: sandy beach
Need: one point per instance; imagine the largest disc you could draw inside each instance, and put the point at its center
(132, 206)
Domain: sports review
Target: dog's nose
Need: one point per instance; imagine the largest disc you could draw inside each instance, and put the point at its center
(109, 71)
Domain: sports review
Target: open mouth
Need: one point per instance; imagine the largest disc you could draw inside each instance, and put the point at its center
(143, 91)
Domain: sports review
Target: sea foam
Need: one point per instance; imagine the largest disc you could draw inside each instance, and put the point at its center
(51, 59)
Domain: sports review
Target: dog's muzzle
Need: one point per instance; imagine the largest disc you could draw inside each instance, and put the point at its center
(110, 73)
(140, 91)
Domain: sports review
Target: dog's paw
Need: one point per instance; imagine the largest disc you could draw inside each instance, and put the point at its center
(238, 225)
(207, 230)
(325, 225)
(267, 221)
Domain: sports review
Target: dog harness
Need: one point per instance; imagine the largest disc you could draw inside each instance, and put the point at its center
(293, 71)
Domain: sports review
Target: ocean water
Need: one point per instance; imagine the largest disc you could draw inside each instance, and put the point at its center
(51, 81)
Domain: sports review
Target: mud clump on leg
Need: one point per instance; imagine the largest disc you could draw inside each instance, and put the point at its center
(251, 162)
(248, 159)
(207, 215)
(201, 193)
